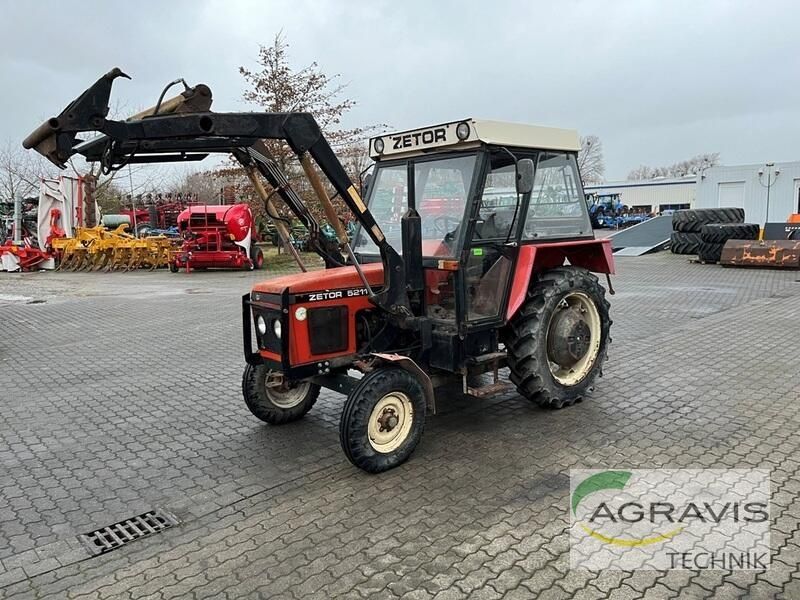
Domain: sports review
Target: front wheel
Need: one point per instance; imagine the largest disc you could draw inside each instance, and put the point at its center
(558, 340)
(383, 419)
(273, 399)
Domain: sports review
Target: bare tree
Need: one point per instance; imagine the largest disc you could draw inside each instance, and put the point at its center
(278, 87)
(21, 171)
(355, 159)
(205, 186)
(590, 159)
(693, 166)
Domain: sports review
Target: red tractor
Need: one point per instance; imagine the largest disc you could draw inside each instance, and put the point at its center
(504, 279)
(219, 237)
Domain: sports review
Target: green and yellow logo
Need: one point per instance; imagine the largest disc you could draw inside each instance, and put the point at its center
(614, 480)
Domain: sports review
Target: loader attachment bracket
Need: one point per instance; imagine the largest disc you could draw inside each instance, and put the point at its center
(56, 137)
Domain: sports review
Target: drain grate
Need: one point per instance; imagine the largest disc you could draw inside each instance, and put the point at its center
(112, 537)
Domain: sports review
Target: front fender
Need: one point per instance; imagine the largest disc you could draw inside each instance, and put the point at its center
(412, 367)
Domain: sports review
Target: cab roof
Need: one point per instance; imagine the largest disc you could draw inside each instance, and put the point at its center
(468, 133)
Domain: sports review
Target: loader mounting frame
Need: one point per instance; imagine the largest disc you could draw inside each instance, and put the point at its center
(181, 136)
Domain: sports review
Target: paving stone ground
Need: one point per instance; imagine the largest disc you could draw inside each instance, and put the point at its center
(121, 392)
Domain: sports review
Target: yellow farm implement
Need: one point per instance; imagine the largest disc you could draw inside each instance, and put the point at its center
(96, 248)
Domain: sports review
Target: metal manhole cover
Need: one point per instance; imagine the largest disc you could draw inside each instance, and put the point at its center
(114, 536)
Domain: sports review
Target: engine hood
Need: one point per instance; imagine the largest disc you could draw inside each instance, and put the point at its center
(329, 279)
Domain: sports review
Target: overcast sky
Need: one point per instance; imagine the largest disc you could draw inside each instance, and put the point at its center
(656, 81)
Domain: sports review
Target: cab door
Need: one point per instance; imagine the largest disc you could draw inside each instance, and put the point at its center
(491, 252)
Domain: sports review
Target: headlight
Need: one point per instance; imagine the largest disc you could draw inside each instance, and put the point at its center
(462, 130)
(276, 328)
(261, 324)
(378, 145)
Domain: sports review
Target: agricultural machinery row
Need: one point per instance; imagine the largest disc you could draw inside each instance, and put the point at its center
(177, 234)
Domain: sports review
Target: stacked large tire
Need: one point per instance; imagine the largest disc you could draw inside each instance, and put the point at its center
(714, 235)
(684, 242)
(687, 226)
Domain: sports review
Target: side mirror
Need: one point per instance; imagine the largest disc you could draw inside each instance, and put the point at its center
(365, 184)
(525, 176)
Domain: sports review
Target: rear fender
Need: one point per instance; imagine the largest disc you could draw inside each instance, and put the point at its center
(409, 365)
(595, 255)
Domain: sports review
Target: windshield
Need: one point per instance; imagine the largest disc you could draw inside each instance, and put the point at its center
(441, 187)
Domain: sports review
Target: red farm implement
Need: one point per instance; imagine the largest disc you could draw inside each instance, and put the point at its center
(217, 237)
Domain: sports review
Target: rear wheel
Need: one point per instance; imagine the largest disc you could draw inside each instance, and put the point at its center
(558, 340)
(273, 399)
(382, 420)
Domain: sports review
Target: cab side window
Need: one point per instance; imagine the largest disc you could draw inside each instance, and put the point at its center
(556, 207)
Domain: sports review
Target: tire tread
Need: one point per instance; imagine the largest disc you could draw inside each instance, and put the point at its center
(526, 332)
(692, 220)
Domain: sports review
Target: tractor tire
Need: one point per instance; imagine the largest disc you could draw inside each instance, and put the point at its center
(684, 243)
(710, 252)
(692, 221)
(382, 420)
(173, 268)
(551, 362)
(257, 256)
(719, 233)
(276, 405)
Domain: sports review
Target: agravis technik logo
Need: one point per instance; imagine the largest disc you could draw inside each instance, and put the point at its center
(670, 519)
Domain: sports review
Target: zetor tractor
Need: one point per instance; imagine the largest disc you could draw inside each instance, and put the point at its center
(473, 253)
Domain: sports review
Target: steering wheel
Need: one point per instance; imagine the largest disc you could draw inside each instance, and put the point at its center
(442, 224)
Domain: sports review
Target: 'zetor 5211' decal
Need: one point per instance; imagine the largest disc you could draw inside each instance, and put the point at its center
(335, 294)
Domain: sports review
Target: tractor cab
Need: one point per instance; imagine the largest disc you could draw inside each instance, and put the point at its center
(479, 189)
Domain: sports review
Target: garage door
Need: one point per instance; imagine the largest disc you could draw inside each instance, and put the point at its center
(731, 194)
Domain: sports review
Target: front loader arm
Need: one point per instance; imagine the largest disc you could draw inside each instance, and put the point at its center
(192, 135)
(257, 157)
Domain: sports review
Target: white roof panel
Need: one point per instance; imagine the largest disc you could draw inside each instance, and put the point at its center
(425, 139)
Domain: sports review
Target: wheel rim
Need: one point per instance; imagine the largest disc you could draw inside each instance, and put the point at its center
(283, 394)
(570, 355)
(390, 422)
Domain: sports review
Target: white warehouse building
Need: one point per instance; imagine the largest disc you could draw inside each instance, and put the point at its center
(742, 186)
(651, 196)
